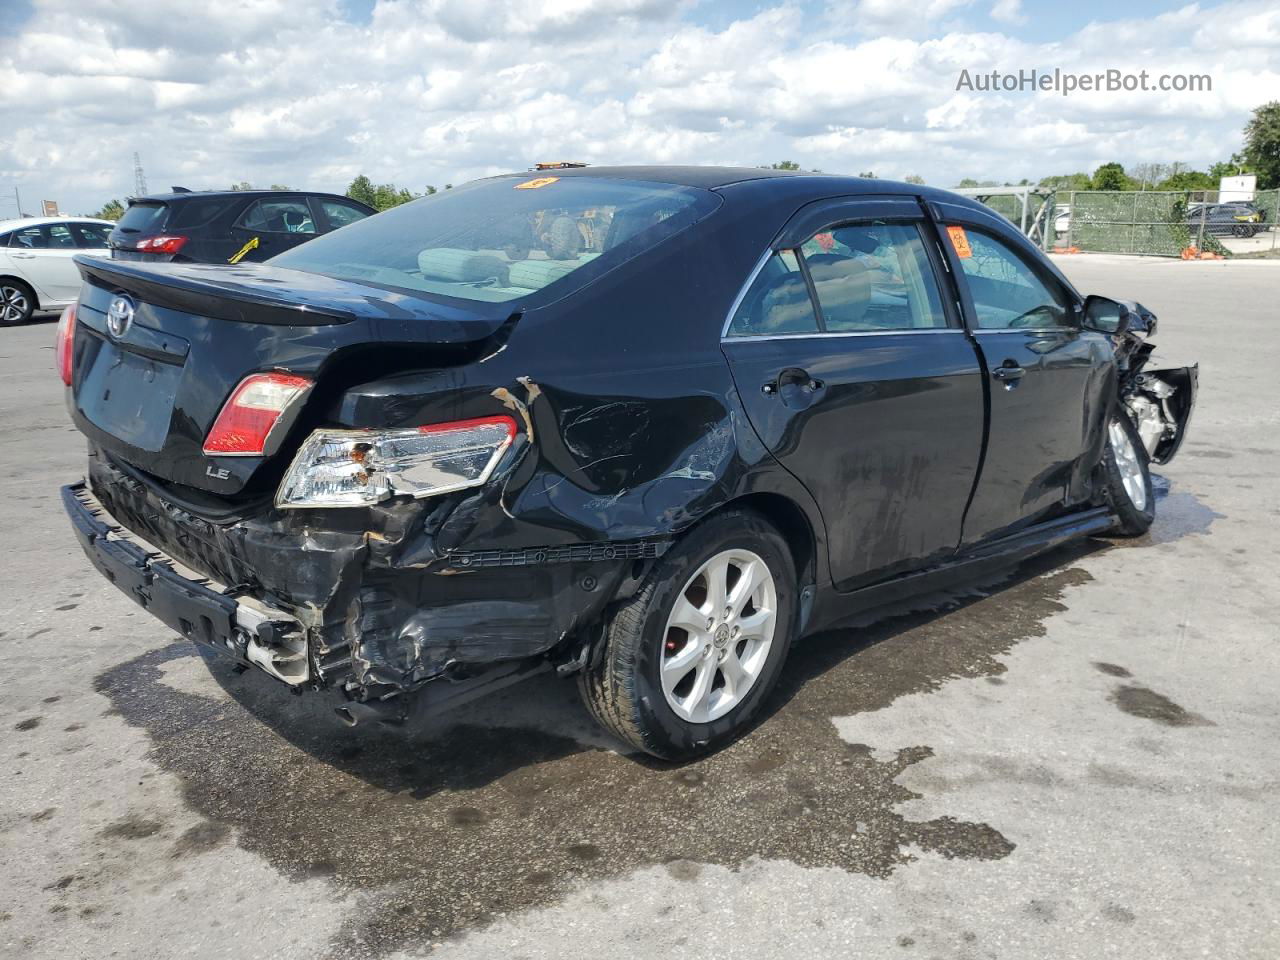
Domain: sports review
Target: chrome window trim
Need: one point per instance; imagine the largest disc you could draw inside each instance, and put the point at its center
(978, 330)
(818, 335)
(742, 294)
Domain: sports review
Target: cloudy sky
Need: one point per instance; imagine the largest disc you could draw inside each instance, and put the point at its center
(311, 92)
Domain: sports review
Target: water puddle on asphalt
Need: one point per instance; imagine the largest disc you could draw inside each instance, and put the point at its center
(508, 804)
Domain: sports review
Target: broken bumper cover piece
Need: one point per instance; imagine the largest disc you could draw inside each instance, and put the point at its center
(362, 604)
(246, 630)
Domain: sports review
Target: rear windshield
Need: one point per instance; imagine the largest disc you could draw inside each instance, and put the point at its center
(504, 238)
(142, 218)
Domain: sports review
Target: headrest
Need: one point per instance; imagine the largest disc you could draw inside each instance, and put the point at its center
(461, 266)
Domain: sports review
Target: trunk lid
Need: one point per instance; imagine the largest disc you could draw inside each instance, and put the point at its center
(149, 393)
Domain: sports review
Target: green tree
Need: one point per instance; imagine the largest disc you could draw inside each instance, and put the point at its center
(111, 210)
(867, 175)
(1068, 181)
(1188, 180)
(380, 196)
(913, 178)
(1229, 168)
(1262, 145)
(1111, 176)
(242, 185)
(784, 165)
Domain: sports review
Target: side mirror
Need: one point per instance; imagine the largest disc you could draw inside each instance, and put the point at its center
(1106, 315)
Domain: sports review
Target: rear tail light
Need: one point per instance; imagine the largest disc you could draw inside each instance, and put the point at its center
(63, 342)
(351, 468)
(253, 411)
(165, 243)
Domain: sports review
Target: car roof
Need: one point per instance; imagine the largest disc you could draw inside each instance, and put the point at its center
(38, 221)
(197, 194)
(804, 186)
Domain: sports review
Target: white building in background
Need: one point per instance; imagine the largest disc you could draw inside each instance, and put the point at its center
(1237, 188)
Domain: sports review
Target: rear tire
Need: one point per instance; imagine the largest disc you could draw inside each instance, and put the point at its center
(1126, 470)
(17, 303)
(677, 693)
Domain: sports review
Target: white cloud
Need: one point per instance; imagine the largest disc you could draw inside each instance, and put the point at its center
(436, 91)
(1008, 11)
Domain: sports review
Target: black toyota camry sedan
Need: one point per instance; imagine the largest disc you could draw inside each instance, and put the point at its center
(644, 426)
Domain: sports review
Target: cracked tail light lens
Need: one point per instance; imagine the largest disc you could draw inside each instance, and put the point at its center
(248, 417)
(352, 468)
(64, 341)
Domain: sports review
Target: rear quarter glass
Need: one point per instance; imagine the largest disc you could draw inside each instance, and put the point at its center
(500, 240)
(198, 211)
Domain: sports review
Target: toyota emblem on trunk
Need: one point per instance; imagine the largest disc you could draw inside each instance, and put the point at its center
(120, 316)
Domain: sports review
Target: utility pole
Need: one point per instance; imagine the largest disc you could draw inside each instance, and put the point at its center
(18, 201)
(139, 178)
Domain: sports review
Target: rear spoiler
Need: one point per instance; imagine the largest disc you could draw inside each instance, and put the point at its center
(261, 293)
(206, 298)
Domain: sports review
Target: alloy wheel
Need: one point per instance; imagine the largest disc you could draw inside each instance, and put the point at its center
(13, 305)
(718, 635)
(1130, 467)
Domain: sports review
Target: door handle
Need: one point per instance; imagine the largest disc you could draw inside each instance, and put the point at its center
(792, 377)
(1009, 372)
(23, 256)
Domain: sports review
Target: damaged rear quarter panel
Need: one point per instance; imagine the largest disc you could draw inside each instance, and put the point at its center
(631, 431)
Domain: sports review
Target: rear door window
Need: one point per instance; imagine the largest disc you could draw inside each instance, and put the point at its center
(872, 277)
(91, 235)
(340, 214)
(143, 218)
(278, 216)
(198, 211)
(60, 237)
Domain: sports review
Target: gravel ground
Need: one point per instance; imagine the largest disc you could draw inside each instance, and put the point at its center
(1077, 761)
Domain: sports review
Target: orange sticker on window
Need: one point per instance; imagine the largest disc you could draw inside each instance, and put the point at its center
(536, 183)
(960, 241)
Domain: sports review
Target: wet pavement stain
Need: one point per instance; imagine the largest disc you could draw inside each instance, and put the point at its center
(441, 829)
(1141, 702)
(1111, 669)
(1178, 514)
(131, 828)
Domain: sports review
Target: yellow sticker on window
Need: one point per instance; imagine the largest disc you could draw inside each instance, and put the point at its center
(960, 240)
(536, 183)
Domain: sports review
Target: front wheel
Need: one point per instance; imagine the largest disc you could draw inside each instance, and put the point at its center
(1127, 477)
(689, 660)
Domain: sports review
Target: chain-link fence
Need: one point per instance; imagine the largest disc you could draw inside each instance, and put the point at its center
(1159, 223)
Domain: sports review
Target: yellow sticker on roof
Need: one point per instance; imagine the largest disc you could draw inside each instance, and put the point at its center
(536, 183)
(960, 240)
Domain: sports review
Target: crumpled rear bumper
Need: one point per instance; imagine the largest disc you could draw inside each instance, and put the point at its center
(193, 606)
(379, 609)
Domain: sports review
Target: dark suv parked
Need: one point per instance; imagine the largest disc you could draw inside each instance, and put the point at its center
(227, 226)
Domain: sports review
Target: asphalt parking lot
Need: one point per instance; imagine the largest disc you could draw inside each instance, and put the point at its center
(1082, 760)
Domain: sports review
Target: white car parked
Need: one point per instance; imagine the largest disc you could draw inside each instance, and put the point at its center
(36, 272)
